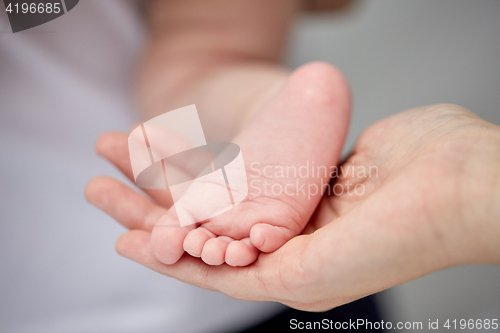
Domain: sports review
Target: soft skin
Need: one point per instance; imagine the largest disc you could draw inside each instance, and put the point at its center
(224, 57)
(306, 122)
(434, 204)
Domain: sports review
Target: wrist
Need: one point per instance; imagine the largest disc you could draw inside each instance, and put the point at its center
(481, 193)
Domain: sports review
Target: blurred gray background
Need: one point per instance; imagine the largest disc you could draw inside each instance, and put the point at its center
(399, 55)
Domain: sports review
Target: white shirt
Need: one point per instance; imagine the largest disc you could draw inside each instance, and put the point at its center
(62, 84)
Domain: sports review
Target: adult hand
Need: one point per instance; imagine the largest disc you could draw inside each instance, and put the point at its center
(428, 204)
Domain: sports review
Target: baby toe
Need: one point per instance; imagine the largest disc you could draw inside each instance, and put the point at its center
(268, 238)
(195, 240)
(241, 253)
(214, 251)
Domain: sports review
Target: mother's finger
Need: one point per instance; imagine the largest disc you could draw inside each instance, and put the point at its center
(113, 146)
(237, 282)
(273, 277)
(126, 206)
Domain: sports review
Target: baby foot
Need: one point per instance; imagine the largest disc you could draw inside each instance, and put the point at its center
(288, 149)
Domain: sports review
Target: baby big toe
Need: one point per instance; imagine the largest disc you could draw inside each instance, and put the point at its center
(268, 238)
